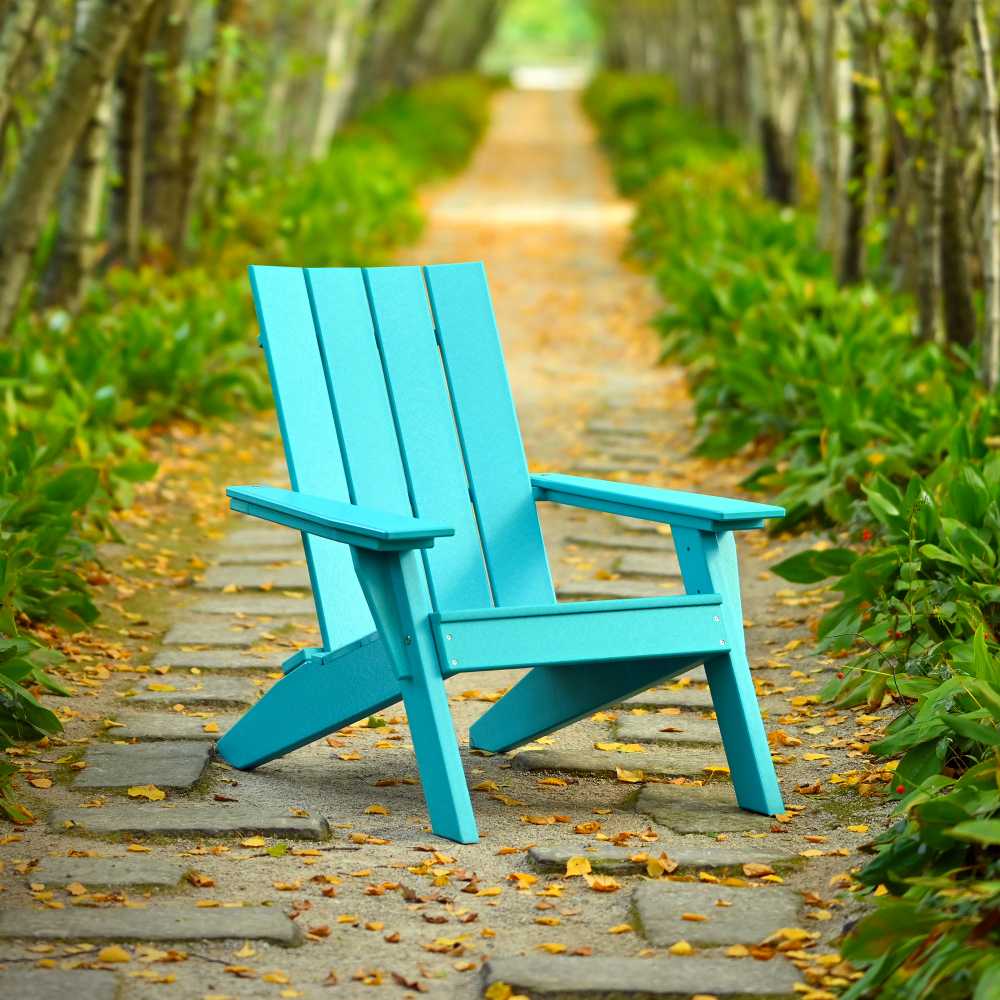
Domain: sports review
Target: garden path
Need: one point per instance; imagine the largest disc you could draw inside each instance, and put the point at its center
(329, 846)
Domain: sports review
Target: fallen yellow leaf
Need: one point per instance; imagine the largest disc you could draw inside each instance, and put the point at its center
(113, 953)
(150, 792)
(630, 777)
(602, 883)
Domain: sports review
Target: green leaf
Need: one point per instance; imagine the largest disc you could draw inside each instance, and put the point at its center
(978, 831)
(815, 565)
(984, 665)
(74, 487)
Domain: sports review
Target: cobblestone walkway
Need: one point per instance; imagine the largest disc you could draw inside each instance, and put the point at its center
(315, 875)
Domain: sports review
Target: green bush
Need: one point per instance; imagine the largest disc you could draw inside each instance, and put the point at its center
(890, 442)
(146, 348)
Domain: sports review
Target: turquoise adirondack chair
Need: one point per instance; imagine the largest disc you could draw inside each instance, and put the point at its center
(417, 512)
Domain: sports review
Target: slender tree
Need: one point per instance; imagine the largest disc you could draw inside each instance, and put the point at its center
(127, 197)
(16, 27)
(991, 196)
(88, 64)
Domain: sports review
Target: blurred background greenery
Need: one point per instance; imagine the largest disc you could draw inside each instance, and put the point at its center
(543, 32)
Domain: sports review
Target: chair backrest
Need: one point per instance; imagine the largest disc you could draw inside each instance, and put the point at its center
(391, 393)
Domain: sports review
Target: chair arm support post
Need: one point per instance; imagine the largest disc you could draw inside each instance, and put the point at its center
(709, 565)
(395, 588)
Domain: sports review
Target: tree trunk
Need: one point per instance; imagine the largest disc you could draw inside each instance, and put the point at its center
(959, 314)
(403, 68)
(15, 35)
(363, 85)
(777, 145)
(957, 310)
(127, 197)
(991, 198)
(87, 65)
(338, 75)
(74, 252)
(165, 122)
(852, 256)
(201, 128)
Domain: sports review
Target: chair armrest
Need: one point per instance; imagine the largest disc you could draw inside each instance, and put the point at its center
(689, 510)
(341, 522)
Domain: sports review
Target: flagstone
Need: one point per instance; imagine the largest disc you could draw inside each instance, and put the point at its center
(158, 922)
(174, 764)
(134, 870)
(189, 819)
(567, 977)
(680, 762)
(708, 809)
(732, 915)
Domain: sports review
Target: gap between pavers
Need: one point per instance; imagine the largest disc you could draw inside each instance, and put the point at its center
(213, 631)
(195, 691)
(674, 729)
(168, 726)
(660, 567)
(633, 542)
(252, 604)
(218, 659)
(249, 556)
(58, 984)
(574, 590)
(690, 854)
(568, 977)
(697, 698)
(257, 537)
(732, 916)
(109, 873)
(707, 809)
(624, 430)
(162, 922)
(681, 762)
(167, 764)
(600, 467)
(188, 820)
(640, 526)
(255, 578)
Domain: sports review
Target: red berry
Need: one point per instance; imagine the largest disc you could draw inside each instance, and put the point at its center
(900, 789)
(866, 535)
(840, 675)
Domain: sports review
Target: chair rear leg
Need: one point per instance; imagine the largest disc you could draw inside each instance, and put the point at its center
(709, 565)
(747, 751)
(549, 698)
(317, 698)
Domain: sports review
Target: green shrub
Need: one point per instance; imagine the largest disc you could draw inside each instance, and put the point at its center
(890, 442)
(146, 348)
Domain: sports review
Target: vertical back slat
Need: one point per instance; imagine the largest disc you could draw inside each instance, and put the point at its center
(353, 366)
(425, 426)
(491, 440)
(312, 450)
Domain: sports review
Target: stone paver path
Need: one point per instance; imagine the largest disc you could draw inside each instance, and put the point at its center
(205, 876)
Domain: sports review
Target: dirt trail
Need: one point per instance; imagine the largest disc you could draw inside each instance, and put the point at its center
(379, 907)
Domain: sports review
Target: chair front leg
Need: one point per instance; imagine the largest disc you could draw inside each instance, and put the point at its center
(709, 566)
(396, 590)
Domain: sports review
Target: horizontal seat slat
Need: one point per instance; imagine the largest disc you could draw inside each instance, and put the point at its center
(589, 632)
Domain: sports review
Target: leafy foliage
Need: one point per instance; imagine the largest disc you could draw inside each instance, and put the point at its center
(80, 395)
(890, 441)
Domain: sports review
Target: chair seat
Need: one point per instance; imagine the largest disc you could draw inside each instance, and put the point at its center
(579, 632)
